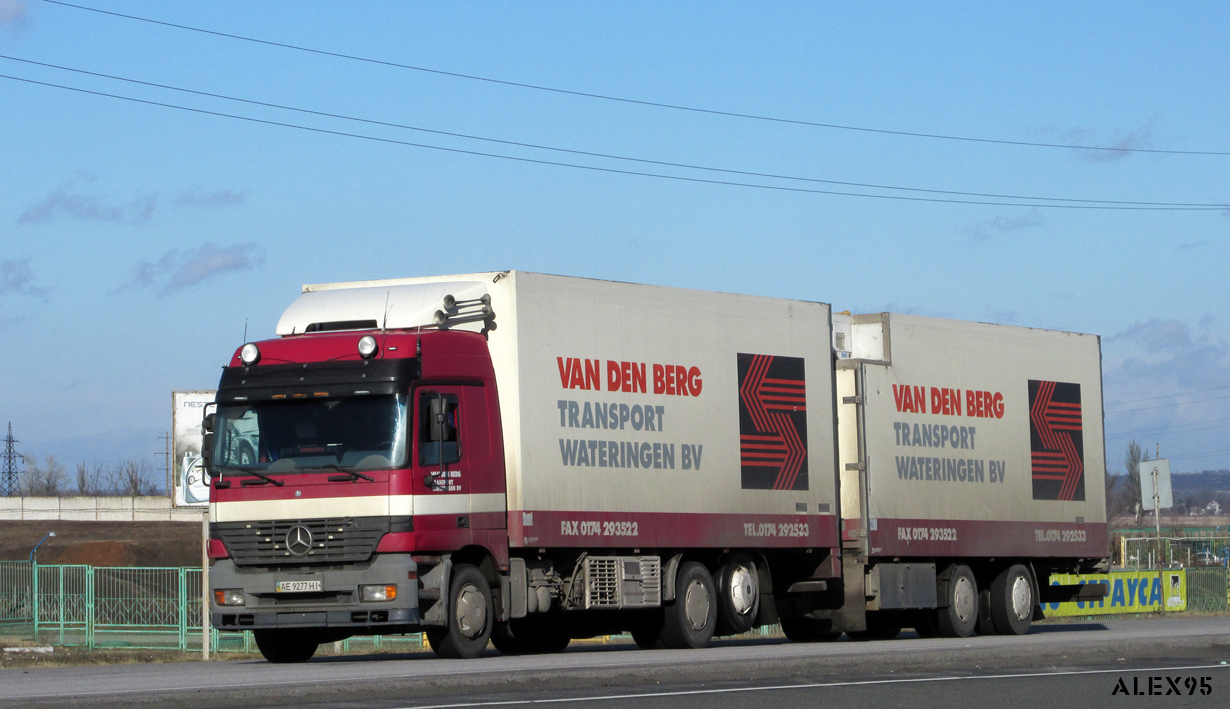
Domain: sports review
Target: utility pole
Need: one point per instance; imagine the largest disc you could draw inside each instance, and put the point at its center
(166, 439)
(9, 485)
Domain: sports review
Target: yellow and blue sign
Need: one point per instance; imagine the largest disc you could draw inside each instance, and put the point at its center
(1129, 592)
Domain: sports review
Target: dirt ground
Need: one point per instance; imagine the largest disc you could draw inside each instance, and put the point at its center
(104, 543)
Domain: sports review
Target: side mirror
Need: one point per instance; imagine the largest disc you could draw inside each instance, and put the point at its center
(207, 454)
(207, 444)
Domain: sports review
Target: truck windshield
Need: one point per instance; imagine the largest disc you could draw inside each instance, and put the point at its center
(360, 433)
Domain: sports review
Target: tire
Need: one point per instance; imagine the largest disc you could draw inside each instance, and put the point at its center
(1012, 601)
(738, 595)
(471, 616)
(285, 646)
(690, 620)
(958, 618)
(881, 625)
(808, 630)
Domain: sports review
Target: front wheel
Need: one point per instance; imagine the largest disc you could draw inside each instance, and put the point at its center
(285, 646)
(471, 616)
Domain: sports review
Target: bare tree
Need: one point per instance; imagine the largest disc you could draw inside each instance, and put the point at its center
(91, 477)
(1132, 463)
(43, 480)
(1115, 504)
(135, 478)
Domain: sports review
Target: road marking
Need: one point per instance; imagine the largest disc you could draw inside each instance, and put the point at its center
(813, 685)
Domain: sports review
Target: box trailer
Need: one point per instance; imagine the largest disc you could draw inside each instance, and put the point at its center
(527, 459)
(971, 457)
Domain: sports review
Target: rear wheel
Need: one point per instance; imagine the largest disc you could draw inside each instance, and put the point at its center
(738, 595)
(470, 616)
(958, 618)
(1012, 601)
(285, 646)
(689, 621)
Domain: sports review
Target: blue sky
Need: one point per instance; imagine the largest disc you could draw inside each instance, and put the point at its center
(136, 240)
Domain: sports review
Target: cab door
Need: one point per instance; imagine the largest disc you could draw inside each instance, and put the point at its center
(459, 483)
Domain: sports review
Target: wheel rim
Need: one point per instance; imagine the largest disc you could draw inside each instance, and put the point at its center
(1022, 598)
(963, 598)
(696, 605)
(471, 611)
(742, 590)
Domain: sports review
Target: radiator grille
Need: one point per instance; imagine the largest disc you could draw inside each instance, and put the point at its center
(623, 581)
(602, 582)
(333, 540)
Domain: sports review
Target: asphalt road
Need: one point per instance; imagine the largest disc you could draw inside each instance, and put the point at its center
(1055, 665)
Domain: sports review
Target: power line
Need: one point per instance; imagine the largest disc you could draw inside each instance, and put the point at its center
(611, 170)
(1207, 454)
(1167, 396)
(638, 102)
(661, 163)
(1166, 406)
(1172, 427)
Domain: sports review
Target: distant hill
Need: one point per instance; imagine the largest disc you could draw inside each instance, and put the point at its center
(1188, 483)
(1211, 480)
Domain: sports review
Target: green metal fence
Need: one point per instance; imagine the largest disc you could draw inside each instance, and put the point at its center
(125, 607)
(160, 608)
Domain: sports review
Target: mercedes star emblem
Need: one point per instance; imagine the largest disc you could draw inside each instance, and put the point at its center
(299, 540)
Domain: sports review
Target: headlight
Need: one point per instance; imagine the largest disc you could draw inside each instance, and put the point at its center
(228, 596)
(367, 347)
(250, 354)
(378, 593)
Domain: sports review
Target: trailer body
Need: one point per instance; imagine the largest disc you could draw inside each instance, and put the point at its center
(977, 440)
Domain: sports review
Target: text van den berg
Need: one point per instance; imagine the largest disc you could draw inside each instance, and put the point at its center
(949, 402)
(668, 379)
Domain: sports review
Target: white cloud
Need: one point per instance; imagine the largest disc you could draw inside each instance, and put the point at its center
(210, 200)
(70, 201)
(985, 229)
(12, 12)
(1164, 380)
(1119, 144)
(178, 269)
(17, 276)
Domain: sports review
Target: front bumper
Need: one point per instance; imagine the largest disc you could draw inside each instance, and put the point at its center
(337, 605)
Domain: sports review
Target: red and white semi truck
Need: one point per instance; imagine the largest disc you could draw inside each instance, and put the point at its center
(527, 459)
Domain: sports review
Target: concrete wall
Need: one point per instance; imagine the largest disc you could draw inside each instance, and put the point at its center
(96, 509)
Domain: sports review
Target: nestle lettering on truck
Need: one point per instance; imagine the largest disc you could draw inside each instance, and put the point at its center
(524, 459)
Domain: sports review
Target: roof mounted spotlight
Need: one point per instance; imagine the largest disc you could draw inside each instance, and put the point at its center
(367, 347)
(250, 354)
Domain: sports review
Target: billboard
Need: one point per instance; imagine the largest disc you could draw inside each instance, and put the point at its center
(187, 412)
(1128, 592)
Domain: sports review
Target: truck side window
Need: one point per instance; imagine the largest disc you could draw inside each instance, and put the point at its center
(438, 441)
